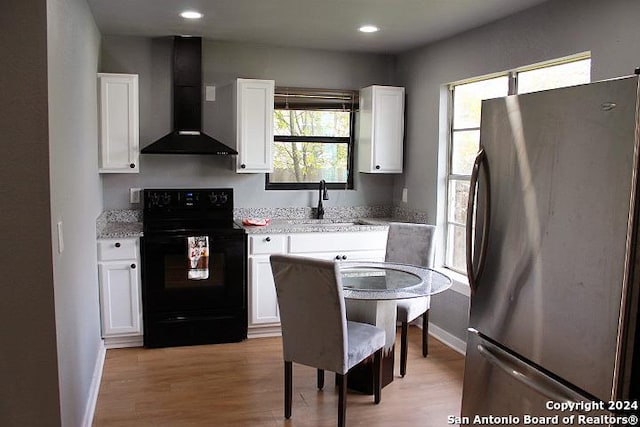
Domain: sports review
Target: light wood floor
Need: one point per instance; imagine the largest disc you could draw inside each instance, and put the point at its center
(241, 384)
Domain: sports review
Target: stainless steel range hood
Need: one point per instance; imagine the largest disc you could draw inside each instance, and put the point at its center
(187, 136)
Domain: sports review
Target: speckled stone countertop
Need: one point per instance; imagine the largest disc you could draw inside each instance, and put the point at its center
(119, 224)
(319, 225)
(300, 220)
(127, 223)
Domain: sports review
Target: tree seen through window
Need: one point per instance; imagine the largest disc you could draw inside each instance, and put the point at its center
(311, 145)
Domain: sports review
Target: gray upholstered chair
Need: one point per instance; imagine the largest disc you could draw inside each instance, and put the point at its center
(315, 330)
(411, 244)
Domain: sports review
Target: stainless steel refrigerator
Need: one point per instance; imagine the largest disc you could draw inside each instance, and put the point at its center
(554, 209)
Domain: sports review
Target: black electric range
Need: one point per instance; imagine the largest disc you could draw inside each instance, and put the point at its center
(194, 284)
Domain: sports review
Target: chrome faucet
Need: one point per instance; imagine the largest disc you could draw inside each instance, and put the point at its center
(322, 195)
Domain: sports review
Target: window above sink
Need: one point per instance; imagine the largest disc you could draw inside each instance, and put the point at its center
(314, 134)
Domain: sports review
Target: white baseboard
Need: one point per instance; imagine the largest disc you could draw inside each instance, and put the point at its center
(446, 338)
(123, 342)
(264, 332)
(92, 400)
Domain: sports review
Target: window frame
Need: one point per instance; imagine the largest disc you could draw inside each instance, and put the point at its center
(512, 89)
(350, 140)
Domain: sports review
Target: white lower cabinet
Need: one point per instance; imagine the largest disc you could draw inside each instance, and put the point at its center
(264, 302)
(264, 317)
(347, 255)
(120, 293)
(355, 244)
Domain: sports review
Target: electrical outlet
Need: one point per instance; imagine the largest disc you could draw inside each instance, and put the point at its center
(404, 195)
(134, 195)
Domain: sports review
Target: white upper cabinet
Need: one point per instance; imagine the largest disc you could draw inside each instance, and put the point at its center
(381, 129)
(254, 125)
(119, 134)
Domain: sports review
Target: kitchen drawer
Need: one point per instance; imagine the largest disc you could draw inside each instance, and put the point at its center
(340, 241)
(117, 249)
(375, 256)
(267, 244)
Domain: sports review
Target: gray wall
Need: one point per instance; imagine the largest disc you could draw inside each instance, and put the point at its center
(50, 337)
(28, 361)
(552, 30)
(76, 198)
(449, 312)
(223, 62)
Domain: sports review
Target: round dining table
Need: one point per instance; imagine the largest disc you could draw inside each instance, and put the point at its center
(371, 290)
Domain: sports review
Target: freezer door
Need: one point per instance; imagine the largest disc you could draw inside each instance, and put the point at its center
(560, 173)
(498, 384)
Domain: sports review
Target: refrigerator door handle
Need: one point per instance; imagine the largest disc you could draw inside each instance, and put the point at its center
(529, 376)
(474, 274)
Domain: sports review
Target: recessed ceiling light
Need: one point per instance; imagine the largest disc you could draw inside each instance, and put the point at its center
(191, 14)
(369, 29)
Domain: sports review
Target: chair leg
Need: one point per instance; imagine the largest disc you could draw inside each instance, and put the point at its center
(338, 380)
(320, 379)
(403, 349)
(377, 376)
(425, 333)
(342, 400)
(288, 388)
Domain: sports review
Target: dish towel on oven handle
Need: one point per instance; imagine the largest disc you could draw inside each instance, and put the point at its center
(198, 253)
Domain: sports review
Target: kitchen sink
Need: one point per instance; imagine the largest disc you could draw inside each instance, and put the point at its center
(334, 224)
(323, 222)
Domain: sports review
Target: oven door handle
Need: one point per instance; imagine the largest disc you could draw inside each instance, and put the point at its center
(213, 236)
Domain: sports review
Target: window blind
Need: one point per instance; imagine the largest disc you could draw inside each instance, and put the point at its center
(291, 98)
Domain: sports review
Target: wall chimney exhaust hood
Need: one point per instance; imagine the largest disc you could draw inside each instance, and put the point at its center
(187, 136)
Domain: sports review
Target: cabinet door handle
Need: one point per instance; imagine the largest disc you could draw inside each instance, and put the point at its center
(344, 257)
(117, 245)
(133, 266)
(377, 166)
(268, 239)
(337, 257)
(243, 166)
(132, 165)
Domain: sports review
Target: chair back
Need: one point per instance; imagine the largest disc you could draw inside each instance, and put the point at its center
(312, 312)
(409, 243)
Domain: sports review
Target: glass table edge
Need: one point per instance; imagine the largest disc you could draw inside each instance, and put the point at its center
(407, 268)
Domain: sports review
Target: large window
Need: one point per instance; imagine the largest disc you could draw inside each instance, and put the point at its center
(464, 136)
(313, 139)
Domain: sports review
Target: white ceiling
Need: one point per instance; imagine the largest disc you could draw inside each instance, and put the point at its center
(321, 24)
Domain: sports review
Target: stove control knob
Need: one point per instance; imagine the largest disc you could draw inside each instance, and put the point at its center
(166, 198)
(214, 198)
(223, 198)
(154, 199)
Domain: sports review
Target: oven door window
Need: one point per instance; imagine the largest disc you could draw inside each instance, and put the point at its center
(183, 274)
(207, 272)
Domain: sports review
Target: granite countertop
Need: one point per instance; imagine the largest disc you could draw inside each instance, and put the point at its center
(318, 225)
(121, 230)
(119, 224)
(337, 218)
(127, 223)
